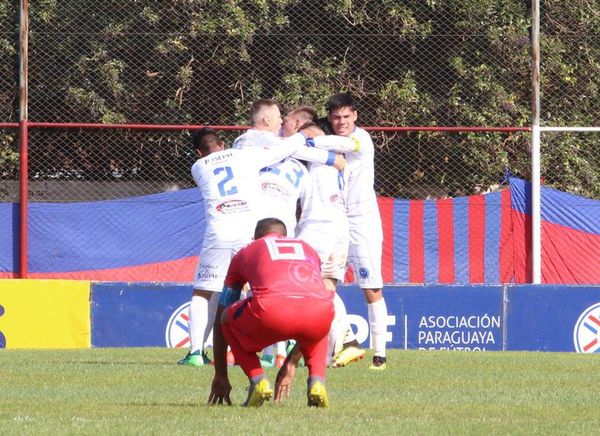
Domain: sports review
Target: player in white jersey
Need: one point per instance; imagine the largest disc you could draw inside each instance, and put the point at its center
(366, 235)
(228, 181)
(323, 222)
(281, 184)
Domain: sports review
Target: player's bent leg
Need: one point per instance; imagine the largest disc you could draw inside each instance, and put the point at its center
(247, 360)
(315, 356)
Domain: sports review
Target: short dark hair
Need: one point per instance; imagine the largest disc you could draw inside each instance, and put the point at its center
(340, 100)
(269, 225)
(325, 125)
(198, 136)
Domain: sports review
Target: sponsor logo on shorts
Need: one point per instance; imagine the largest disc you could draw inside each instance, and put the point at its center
(363, 273)
(233, 206)
(206, 275)
(177, 333)
(586, 335)
(206, 271)
(275, 190)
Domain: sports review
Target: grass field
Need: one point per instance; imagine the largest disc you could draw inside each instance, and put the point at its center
(143, 391)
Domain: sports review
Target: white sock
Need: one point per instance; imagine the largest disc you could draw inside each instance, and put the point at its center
(198, 322)
(213, 304)
(378, 324)
(280, 347)
(338, 329)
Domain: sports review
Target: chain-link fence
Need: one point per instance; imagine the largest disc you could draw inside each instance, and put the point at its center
(189, 62)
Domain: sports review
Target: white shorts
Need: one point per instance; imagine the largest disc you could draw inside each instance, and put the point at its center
(331, 247)
(364, 254)
(213, 263)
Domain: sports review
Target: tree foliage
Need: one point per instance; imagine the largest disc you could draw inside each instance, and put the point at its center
(409, 63)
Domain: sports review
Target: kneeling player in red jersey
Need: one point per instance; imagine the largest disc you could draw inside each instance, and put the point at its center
(289, 301)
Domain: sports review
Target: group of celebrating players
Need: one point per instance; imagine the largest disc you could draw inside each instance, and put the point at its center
(253, 190)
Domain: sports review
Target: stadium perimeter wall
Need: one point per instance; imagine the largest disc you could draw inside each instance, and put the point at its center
(84, 314)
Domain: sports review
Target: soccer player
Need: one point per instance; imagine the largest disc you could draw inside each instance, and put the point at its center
(229, 184)
(366, 235)
(289, 300)
(324, 225)
(282, 184)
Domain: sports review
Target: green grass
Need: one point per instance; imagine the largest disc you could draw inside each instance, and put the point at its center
(143, 391)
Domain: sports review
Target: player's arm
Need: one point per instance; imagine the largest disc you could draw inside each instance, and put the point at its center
(285, 375)
(221, 387)
(337, 143)
(295, 146)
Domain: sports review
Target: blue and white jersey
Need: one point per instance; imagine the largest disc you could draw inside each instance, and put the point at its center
(281, 186)
(323, 202)
(229, 183)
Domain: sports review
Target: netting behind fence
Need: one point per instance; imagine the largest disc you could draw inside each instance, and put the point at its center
(409, 63)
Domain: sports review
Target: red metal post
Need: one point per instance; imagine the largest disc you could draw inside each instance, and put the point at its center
(23, 197)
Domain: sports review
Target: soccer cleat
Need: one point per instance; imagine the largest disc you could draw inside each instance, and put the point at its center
(379, 363)
(197, 358)
(258, 394)
(267, 361)
(317, 395)
(279, 361)
(350, 353)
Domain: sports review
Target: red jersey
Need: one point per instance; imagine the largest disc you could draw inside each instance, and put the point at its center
(278, 266)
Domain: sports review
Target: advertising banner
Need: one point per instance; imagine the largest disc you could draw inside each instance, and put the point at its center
(44, 314)
(140, 314)
(465, 318)
(554, 318)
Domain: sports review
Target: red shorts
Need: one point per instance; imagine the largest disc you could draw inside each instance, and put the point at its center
(259, 322)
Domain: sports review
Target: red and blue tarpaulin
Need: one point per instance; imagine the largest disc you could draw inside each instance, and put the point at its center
(476, 239)
(149, 238)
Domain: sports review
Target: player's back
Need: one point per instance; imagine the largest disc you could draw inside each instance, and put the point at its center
(323, 201)
(228, 182)
(281, 185)
(276, 266)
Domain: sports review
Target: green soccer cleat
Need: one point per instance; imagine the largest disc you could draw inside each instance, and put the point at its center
(317, 395)
(258, 394)
(197, 358)
(379, 363)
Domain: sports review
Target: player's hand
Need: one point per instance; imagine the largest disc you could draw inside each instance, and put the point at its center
(219, 391)
(339, 163)
(283, 382)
